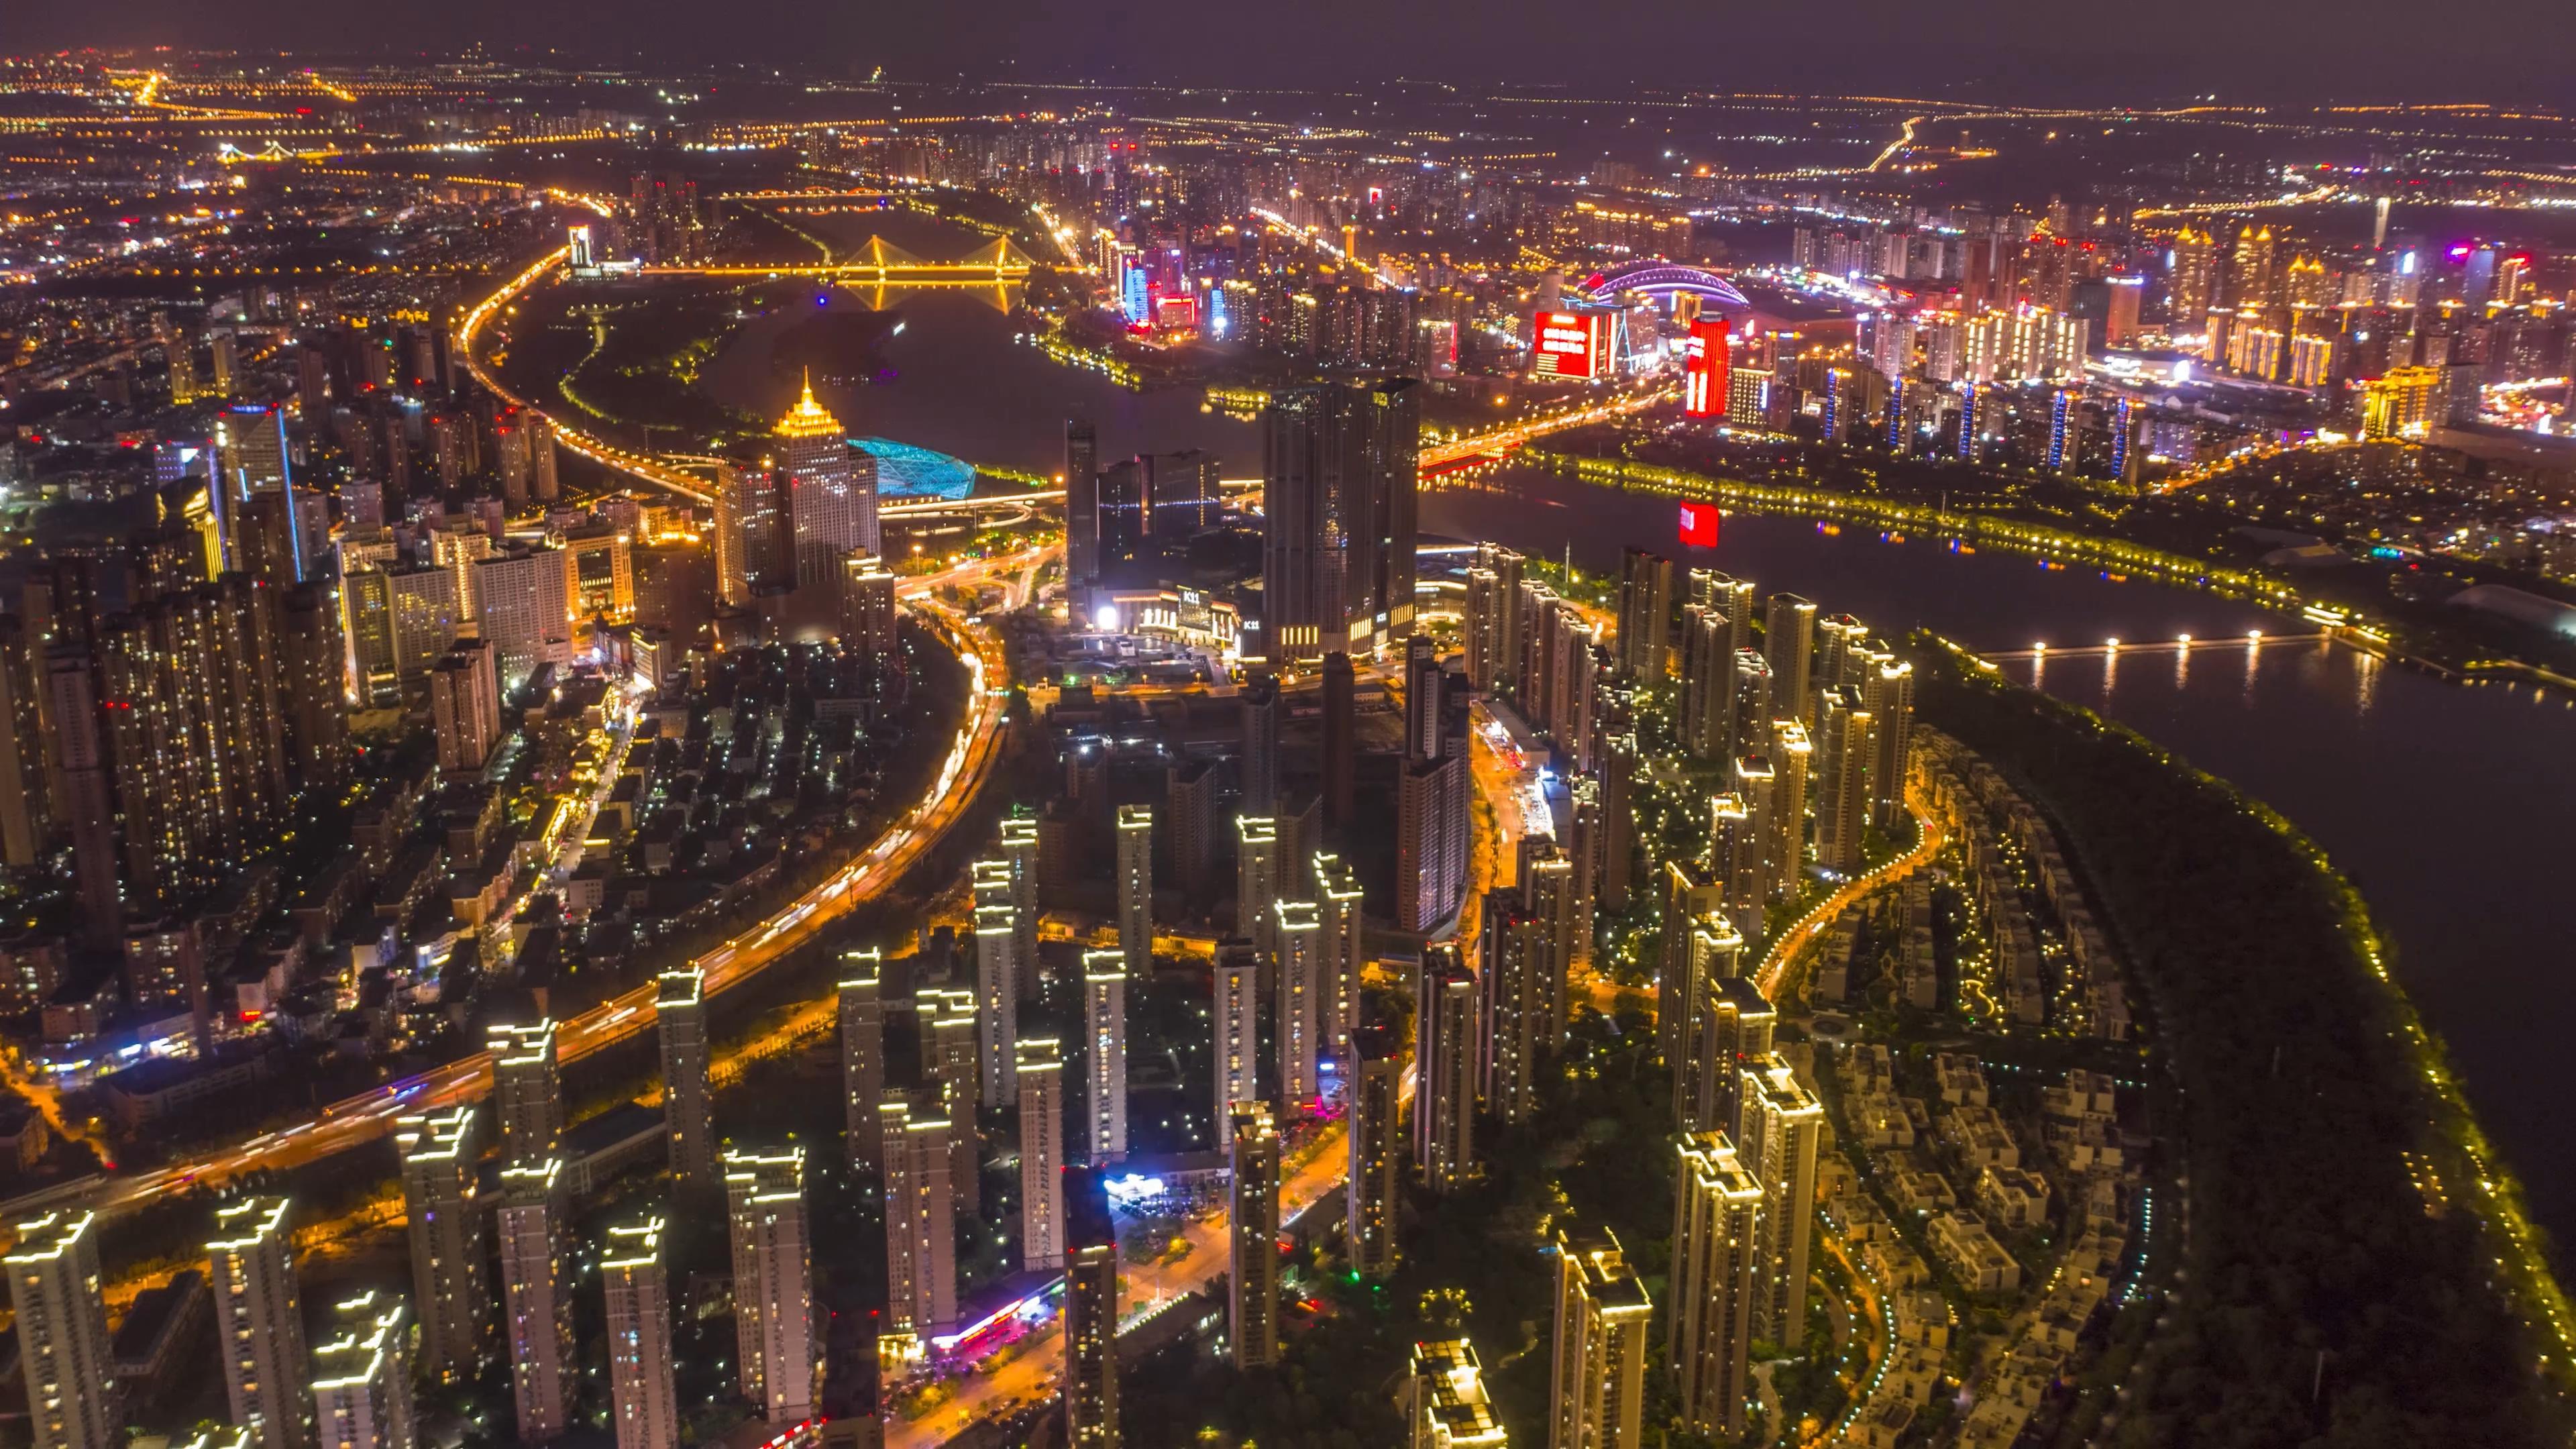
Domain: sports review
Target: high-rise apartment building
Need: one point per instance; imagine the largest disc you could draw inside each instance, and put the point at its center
(1256, 876)
(867, 614)
(773, 1282)
(1081, 503)
(1646, 590)
(1792, 757)
(1377, 1151)
(536, 1287)
(921, 1227)
(636, 1279)
(1445, 1404)
(1236, 1023)
(465, 706)
(1597, 1393)
(527, 1091)
(449, 1282)
(1136, 889)
(1019, 835)
(362, 1373)
(1258, 707)
(1847, 762)
(861, 1006)
(1252, 1237)
(1788, 640)
(1432, 795)
(55, 1289)
(1342, 953)
(1718, 1280)
(1090, 1312)
(523, 600)
(997, 1002)
(1444, 1060)
(1041, 1086)
(1338, 531)
(1512, 1019)
(1296, 1016)
(680, 1021)
(1104, 1021)
(259, 1323)
(1778, 1125)
(1890, 702)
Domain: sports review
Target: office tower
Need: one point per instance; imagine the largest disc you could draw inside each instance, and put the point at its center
(1136, 889)
(1081, 503)
(1444, 1059)
(1252, 1298)
(1104, 1022)
(832, 491)
(465, 706)
(1256, 876)
(997, 1002)
(527, 1091)
(1338, 531)
(54, 1286)
(1019, 833)
(1041, 1085)
(867, 613)
(1596, 1397)
(1712, 954)
(1512, 1016)
(362, 1376)
(1090, 1312)
(537, 1297)
(1777, 1126)
(773, 1281)
(1342, 953)
(680, 1018)
(1259, 708)
(1689, 895)
(1377, 1151)
(1445, 1404)
(259, 1326)
(1891, 705)
(1645, 614)
(637, 1284)
(1717, 1282)
(862, 1017)
(1341, 749)
(439, 1152)
(1788, 639)
(754, 547)
(1126, 518)
(1296, 1016)
(1847, 756)
(1236, 1022)
(1792, 758)
(921, 1226)
(1749, 712)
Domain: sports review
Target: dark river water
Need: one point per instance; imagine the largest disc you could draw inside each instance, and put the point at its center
(2439, 801)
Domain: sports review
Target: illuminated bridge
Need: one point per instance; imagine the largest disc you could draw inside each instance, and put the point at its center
(1662, 280)
(881, 261)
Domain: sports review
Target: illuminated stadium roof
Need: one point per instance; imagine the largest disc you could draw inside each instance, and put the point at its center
(1662, 278)
(904, 471)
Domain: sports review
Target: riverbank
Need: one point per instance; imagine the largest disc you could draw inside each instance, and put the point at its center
(2357, 1265)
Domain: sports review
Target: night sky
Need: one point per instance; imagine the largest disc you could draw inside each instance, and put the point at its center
(2047, 50)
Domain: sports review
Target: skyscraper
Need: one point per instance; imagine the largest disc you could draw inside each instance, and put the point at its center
(754, 546)
(862, 1021)
(1341, 751)
(259, 1325)
(1342, 954)
(54, 1286)
(1717, 1282)
(867, 613)
(447, 1274)
(773, 1278)
(1512, 1016)
(1041, 1074)
(1296, 1001)
(1081, 503)
(1792, 758)
(1432, 795)
(1019, 833)
(1136, 889)
(1788, 639)
(465, 706)
(1235, 1020)
(1445, 1403)
(1444, 1060)
(1690, 898)
(1104, 1021)
(1646, 583)
(537, 1297)
(1259, 707)
(527, 1091)
(362, 1376)
(1090, 1312)
(832, 491)
(637, 1283)
(1845, 788)
(1338, 531)
(997, 1002)
(921, 1228)
(1731, 1031)
(1597, 1394)
(1256, 876)
(1778, 1124)
(1755, 785)
(680, 1017)
(1891, 704)
(1377, 1151)
(1252, 1251)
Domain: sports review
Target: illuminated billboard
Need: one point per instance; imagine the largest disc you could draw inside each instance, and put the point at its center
(1704, 367)
(1699, 525)
(1561, 346)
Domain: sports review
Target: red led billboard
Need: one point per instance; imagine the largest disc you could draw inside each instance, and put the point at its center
(1562, 346)
(1699, 525)
(1704, 362)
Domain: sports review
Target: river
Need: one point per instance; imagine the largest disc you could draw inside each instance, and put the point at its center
(2438, 801)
